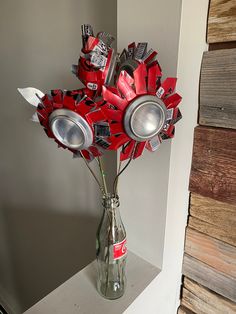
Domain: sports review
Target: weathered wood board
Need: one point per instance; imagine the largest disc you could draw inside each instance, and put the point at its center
(183, 310)
(201, 300)
(211, 230)
(212, 252)
(218, 89)
(209, 277)
(214, 218)
(213, 172)
(221, 21)
(214, 212)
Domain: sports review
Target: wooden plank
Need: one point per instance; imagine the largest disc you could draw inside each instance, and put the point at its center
(222, 304)
(214, 212)
(209, 277)
(192, 302)
(183, 310)
(212, 230)
(217, 89)
(213, 252)
(201, 300)
(213, 172)
(221, 21)
(225, 45)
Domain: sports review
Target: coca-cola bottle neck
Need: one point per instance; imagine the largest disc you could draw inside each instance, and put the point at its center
(110, 202)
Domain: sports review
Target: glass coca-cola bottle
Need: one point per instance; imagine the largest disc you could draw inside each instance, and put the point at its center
(111, 250)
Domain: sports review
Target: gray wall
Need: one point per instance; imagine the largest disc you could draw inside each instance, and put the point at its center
(49, 204)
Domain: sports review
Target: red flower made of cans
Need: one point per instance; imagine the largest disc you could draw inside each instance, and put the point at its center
(74, 121)
(142, 109)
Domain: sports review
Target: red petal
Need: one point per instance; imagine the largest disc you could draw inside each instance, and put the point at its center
(116, 128)
(139, 149)
(47, 101)
(154, 73)
(167, 87)
(57, 105)
(68, 102)
(57, 95)
(113, 89)
(170, 132)
(91, 43)
(112, 114)
(149, 56)
(94, 151)
(114, 99)
(117, 141)
(49, 133)
(128, 78)
(125, 88)
(172, 101)
(86, 154)
(140, 75)
(95, 116)
(85, 106)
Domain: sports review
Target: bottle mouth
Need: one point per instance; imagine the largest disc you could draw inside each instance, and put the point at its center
(110, 200)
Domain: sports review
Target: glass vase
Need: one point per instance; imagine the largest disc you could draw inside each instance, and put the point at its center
(111, 250)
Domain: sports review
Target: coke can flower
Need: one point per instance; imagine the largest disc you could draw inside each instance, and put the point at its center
(72, 119)
(147, 108)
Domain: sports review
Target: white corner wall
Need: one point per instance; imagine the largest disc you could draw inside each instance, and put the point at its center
(162, 295)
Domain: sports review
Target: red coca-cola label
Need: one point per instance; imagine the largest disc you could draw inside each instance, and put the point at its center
(119, 249)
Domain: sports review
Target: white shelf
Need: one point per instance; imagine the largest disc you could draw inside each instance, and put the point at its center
(79, 294)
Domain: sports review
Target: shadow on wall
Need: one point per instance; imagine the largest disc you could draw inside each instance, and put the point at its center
(47, 248)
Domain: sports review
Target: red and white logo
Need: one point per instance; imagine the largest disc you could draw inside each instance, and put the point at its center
(120, 249)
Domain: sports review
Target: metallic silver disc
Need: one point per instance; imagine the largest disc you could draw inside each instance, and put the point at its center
(145, 117)
(71, 129)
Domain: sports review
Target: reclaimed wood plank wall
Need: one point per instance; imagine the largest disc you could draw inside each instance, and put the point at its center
(209, 263)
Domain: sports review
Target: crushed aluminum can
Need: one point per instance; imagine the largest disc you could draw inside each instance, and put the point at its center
(140, 51)
(176, 116)
(167, 87)
(102, 129)
(95, 45)
(106, 38)
(169, 114)
(98, 60)
(149, 56)
(87, 31)
(123, 56)
(131, 50)
(153, 144)
(101, 142)
(124, 87)
(101, 48)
